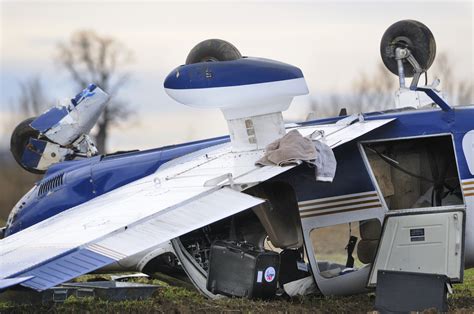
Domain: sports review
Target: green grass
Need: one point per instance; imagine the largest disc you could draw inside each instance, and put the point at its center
(181, 300)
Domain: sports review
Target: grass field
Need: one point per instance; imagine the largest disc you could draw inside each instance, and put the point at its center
(184, 300)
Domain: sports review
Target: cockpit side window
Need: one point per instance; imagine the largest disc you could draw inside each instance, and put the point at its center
(416, 173)
(347, 247)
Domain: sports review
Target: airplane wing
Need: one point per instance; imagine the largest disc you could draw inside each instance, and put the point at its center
(183, 195)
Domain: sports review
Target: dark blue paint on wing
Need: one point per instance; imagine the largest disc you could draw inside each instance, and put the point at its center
(243, 71)
(49, 119)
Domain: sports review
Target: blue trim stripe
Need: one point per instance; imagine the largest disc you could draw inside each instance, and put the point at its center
(243, 71)
(49, 119)
(64, 268)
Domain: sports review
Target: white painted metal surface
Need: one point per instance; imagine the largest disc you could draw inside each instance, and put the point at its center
(181, 196)
(173, 222)
(253, 111)
(80, 119)
(468, 148)
(333, 211)
(332, 134)
(335, 135)
(243, 100)
(138, 221)
(406, 97)
(53, 153)
(339, 204)
(422, 243)
(256, 132)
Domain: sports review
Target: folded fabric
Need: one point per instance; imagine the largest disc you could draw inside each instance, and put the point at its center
(293, 148)
(325, 162)
(290, 149)
(301, 287)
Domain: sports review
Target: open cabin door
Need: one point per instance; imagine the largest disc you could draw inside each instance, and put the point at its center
(423, 230)
(422, 241)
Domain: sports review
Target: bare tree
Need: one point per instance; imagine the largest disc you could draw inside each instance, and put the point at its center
(32, 100)
(327, 105)
(374, 91)
(466, 93)
(457, 92)
(93, 58)
(371, 91)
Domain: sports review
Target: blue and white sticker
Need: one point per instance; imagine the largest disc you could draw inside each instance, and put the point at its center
(270, 274)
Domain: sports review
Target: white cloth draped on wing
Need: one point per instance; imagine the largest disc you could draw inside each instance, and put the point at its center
(293, 148)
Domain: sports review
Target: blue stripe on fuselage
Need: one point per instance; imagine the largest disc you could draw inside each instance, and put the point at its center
(88, 178)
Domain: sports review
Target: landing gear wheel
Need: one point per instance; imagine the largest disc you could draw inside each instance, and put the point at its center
(19, 139)
(412, 35)
(213, 50)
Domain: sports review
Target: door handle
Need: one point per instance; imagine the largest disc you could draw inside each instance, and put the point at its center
(457, 245)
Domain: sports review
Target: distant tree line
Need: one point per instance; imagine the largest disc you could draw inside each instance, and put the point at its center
(376, 91)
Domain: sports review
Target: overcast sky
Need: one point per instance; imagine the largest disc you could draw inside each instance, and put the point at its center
(332, 42)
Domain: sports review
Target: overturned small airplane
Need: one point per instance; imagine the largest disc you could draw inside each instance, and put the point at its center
(240, 214)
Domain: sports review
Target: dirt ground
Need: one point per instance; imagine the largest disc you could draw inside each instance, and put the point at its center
(174, 299)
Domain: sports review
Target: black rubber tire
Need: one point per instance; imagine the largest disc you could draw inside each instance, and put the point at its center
(213, 50)
(412, 35)
(19, 139)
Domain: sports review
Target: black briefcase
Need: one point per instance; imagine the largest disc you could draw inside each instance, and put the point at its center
(241, 270)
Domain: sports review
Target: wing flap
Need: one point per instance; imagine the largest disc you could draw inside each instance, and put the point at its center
(64, 268)
(173, 223)
(50, 268)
